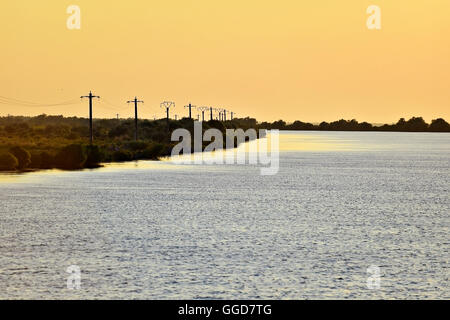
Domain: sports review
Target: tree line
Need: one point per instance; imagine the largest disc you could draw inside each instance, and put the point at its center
(45, 142)
(415, 124)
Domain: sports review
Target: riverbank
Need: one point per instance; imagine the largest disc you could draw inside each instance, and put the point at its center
(56, 142)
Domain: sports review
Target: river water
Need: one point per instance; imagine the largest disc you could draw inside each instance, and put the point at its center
(340, 203)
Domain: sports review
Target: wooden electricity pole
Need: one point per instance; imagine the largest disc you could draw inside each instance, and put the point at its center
(190, 106)
(91, 133)
(135, 101)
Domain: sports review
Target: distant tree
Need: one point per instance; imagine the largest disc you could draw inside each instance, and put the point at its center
(401, 124)
(265, 125)
(339, 125)
(8, 162)
(22, 155)
(280, 125)
(416, 124)
(324, 126)
(439, 125)
(299, 125)
(365, 126)
(353, 125)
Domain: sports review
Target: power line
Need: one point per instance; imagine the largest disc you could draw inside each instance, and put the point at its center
(104, 103)
(111, 104)
(17, 102)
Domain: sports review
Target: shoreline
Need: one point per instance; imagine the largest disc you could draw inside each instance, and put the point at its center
(55, 142)
(102, 164)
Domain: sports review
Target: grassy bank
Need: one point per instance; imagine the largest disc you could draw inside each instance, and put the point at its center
(46, 142)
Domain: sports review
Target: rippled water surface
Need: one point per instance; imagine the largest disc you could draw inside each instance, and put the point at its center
(341, 202)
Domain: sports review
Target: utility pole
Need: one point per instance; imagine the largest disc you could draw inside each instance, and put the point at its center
(190, 107)
(135, 101)
(167, 105)
(211, 111)
(90, 96)
(219, 113)
(224, 115)
(203, 109)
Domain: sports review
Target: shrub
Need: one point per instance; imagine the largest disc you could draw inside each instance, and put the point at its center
(94, 157)
(122, 155)
(152, 152)
(72, 136)
(137, 145)
(22, 155)
(120, 130)
(47, 161)
(8, 162)
(35, 160)
(70, 157)
(159, 136)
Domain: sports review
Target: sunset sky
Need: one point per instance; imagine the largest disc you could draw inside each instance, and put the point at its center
(306, 60)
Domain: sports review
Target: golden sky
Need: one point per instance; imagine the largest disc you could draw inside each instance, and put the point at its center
(307, 60)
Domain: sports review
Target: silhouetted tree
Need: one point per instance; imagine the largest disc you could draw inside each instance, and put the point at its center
(280, 125)
(324, 126)
(22, 155)
(365, 126)
(416, 124)
(8, 161)
(439, 125)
